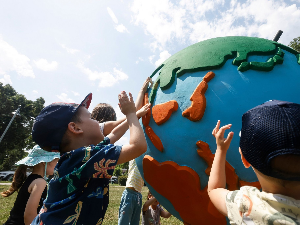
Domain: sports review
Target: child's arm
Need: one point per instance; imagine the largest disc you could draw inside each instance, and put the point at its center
(110, 125)
(137, 142)
(148, 203)
(35, 189)
(165, 214)
(217, 179)
(120, 130)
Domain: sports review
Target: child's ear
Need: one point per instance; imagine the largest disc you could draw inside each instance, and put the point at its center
(245, 162)
(74, 128)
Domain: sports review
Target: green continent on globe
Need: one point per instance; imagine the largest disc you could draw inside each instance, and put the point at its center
(214, 53)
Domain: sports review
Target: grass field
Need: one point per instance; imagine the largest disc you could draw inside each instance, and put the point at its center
(111, 216)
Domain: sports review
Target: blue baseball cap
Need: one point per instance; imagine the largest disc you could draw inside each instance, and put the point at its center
(52, 122)
(269, 130)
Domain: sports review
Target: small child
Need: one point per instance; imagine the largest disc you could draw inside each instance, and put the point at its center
(270, 144)
(75, 194)
(32, 190)
(152, 211)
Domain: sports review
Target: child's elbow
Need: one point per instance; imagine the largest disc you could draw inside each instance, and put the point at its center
(144, 147)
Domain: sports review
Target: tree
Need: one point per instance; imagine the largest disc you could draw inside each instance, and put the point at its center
(18, 136)
(295, 44)
(118, 171)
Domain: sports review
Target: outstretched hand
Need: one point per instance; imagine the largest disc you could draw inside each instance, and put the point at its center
(145, 85)
(126, 104)
(222, 143)
(143, 111)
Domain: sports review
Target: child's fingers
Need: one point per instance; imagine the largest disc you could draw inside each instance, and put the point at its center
(216, 129)
(229, 138)
(130, 97)
(222, 130)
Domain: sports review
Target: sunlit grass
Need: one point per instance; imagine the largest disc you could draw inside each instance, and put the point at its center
(111, 216)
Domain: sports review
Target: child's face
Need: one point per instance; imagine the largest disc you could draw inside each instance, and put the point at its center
(90, 127)
(50, 166)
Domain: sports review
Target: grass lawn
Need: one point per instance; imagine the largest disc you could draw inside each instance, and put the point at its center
(111, 216)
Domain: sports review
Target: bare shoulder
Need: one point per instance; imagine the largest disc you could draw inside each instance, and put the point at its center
(39, 183)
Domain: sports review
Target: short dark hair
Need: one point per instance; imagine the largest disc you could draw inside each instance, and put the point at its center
(104, 112)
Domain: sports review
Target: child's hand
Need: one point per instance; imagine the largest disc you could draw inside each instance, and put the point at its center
(222, 143)
(145, 85)
(142, 111)
(126, 104)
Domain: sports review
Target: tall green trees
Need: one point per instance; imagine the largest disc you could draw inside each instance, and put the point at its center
(295, 44)
(18, 136)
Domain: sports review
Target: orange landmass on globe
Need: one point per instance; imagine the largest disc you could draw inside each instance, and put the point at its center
(162, 112)
(154, 138)
(196, 111)
(181, 186)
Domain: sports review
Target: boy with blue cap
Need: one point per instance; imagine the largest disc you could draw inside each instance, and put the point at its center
(75, 194)
(270, 144)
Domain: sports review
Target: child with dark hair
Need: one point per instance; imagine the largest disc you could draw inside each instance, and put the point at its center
(75, 193)
(32, 190)
(270, 144)
(152, 211)
(104, 112)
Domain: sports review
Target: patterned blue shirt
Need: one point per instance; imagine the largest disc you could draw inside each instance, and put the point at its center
(78, 192)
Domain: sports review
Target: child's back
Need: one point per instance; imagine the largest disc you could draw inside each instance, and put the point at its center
(75, 193)
(270, 143)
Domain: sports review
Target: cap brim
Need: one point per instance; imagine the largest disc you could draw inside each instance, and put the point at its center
(87, 101)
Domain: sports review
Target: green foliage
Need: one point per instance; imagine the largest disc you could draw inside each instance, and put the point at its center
(295, 44)
(18, 136)
(125, 165)
(118, 171)
(122, 180)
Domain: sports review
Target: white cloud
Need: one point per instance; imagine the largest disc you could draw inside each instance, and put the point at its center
(106, 79)
(44, 65)
(121, 28)
(151, 57)
(188, 21)
(112, 15)
(6, 79)
(35, 91)
(139, 60)
(75, 93)
(162, 57)
(12, 60)
(64, 98)
(69, 50)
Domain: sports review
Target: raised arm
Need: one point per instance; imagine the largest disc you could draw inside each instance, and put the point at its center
(140, 97)
(110, 125)
(217, 180)
(120, 130)
(165, 214)
(137, 142)
(148, 203)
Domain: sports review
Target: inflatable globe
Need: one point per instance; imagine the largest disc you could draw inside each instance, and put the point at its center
(216, 79)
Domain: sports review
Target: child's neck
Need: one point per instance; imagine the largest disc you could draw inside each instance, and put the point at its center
(276, 186)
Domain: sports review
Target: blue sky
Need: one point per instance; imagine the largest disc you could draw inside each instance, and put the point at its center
(62, 50)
